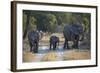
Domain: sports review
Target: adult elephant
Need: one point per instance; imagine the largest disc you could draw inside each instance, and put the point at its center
(33, 38)
(74, 33)
(54, 42)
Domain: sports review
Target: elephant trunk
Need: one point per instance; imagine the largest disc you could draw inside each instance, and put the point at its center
(81, 37)
(58, 43)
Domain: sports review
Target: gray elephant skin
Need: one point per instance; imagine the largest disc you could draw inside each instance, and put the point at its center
(54, 42)
(33, 38)
(72, 32)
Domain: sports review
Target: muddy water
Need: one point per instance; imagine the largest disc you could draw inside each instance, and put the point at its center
(60, 54)
(42, 51)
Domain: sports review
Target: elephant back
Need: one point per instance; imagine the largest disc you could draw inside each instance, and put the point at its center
(70, 30)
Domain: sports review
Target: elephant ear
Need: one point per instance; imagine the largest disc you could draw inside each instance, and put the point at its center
(74, 29)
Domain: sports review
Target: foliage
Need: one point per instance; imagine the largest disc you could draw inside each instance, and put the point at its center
(24, 22)
(32, 23)
(49, 21)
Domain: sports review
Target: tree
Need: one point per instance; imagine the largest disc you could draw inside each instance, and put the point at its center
(47, 21)
(27, 24)
(51, 22)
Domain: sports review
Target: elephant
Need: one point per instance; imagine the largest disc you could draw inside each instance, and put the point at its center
(54, 42)
(33, 38)
(74, 33)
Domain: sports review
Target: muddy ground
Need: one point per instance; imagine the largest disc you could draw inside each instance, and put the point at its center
(44, 54)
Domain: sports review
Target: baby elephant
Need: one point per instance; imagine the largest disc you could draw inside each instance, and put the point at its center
(54, 42)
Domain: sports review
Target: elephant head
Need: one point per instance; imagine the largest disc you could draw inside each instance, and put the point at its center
(77, 29)
(73, 32)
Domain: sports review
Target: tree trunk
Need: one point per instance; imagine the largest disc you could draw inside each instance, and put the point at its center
(27, 26)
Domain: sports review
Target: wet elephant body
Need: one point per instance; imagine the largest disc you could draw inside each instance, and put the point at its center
(33, 38)
(54, 42)
(72, 32)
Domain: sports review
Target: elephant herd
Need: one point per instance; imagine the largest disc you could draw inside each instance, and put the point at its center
(71, 32)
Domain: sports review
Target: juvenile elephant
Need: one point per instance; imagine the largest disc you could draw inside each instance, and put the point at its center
(54, 42)
(73, 32)
(33, 38)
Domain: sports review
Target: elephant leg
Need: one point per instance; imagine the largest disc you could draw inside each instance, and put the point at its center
(76, 42)
(30, 47)
(58, 45)
(36, 49)
(54, 46)
(66, 43)
(50, 45)
(77, 39)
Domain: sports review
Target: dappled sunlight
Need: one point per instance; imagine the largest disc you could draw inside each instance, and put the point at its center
(58, 55)
(28, 57)
(76, 55)
(51, 56)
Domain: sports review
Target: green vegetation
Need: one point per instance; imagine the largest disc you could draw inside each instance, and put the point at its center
(48, 21)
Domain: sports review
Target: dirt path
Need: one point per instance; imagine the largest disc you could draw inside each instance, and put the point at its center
(58, 55)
